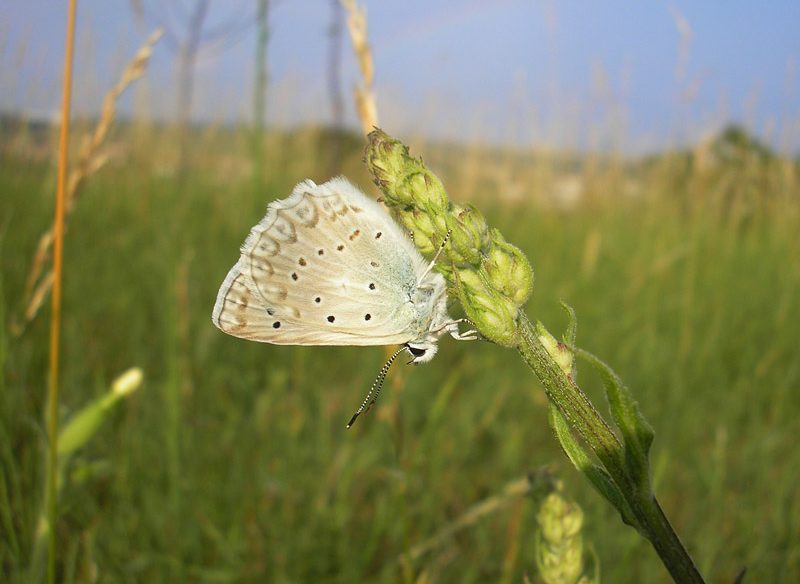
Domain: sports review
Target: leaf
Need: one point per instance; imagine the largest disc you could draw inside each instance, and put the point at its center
(636, 430)
(571, 334)
(597, 475)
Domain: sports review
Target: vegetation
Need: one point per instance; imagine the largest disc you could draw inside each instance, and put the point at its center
(232, 463)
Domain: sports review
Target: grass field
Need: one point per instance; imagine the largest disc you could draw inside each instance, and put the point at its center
(232, 462)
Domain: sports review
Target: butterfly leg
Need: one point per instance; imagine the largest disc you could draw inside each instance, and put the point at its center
(452, 328)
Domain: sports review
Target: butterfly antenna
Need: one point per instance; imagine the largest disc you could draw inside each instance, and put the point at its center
(375, 390)
(435, 257)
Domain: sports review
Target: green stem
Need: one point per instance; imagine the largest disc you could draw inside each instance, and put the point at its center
(586, 421)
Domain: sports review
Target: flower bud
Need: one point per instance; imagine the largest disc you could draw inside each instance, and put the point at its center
(508, 270)
(128, 382)
(469, 233)
(560, 353)
(416, 222)
(424, 188)
(85, 423)
(404, 180)
(384, 158)
(494, 315)
(559, 554)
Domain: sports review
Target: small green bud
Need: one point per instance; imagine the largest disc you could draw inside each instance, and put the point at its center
(424, 189)
(560, 353)
(494, 315)
(559, 554)
(128, 382)
(84, 424)
(404, 180)
(385, 159)
(508, 270)
(469, 234)
(416, 222)
(559, 519)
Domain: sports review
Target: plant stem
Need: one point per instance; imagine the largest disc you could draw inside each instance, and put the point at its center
(51, 496)
(586, 421)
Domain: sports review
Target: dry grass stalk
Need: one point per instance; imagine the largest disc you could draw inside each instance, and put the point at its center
(364, 94)
(511, 492)
(90, 159)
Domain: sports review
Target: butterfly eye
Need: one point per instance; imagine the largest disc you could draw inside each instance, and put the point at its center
(417, 352)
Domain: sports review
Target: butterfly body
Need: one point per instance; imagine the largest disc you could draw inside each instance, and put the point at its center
(328, 266)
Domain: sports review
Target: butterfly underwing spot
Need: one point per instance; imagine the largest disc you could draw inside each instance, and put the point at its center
(378, 235)
(306, 212)
(320, 252)
(367, 316)
(317, 299)
(271, 311)
(267, 245)
(371, 285)
(340, 247)
(302, 262)
(276, 324)
(274, 292)
(284, 229)
(331, 318)
(356, 209)
(374, 264)
(236, 300)
(294, 276)
(339, 206)
(355, 234)
(333, 207)
(262, 267)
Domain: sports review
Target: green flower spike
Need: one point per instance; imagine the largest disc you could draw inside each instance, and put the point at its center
(560, 556)
(493, 279)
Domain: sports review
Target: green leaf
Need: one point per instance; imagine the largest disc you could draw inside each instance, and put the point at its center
(596, 474)
(636, 430)
(571, 334)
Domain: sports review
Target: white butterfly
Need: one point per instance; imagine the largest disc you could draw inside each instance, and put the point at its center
(328, 266)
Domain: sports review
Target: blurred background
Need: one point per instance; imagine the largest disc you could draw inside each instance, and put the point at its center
(646, 158)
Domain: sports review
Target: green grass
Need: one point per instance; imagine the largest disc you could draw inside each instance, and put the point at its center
(232, 462)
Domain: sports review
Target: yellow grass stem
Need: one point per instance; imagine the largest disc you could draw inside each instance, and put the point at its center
(366, 106)
(512, 491)
(55, 315)
(91, 158)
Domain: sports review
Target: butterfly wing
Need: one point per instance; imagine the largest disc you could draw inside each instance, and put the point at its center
(325, 266)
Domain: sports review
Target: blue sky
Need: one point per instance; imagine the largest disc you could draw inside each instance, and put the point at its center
(572, 73)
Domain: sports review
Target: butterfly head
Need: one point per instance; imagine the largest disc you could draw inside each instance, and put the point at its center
(421, 351)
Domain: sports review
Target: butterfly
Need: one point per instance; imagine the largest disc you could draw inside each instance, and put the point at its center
(328, 266)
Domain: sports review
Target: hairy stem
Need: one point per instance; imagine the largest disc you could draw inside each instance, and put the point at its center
(586, 421)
